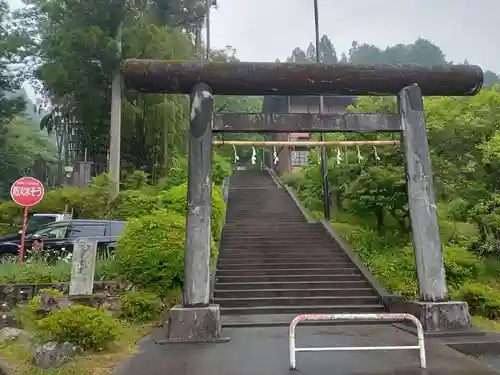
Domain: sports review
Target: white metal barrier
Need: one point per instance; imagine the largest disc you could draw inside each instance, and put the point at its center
(312, 317)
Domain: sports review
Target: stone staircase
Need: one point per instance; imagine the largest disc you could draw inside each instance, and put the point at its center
(274, 265)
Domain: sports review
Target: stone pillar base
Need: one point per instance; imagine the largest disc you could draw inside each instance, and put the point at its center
(194, 325)
(438, 318)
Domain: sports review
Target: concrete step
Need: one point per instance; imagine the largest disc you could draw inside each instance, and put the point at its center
(297, 301)
(308, 309)
(295, 285)
(288, 271)
(305, 264)
(284, 320)
(292, 293)
(313, 277)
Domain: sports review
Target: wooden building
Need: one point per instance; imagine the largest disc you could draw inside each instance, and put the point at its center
(290, 157)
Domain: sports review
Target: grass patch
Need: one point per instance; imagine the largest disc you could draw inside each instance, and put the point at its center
(17, 355)
(39, 271)
(486, 324)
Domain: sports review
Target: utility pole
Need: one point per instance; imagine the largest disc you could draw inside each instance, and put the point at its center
(324, 170)
(116, 119)
(207, 25)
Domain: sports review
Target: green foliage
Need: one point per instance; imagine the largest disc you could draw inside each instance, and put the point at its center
(177, 174)
(131, 204)
(392, 260)
(482, 299)
(140, 306)
(458, 209)
(136, 180)
(175, 200)
(150, 254)
(39, 271)
(379, 191)
(487, 217)
(221, 168)
(21, 146)
(27, 314)
(88, 327)
(461, 266)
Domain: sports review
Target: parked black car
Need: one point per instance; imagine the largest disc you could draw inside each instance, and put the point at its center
(57, 238)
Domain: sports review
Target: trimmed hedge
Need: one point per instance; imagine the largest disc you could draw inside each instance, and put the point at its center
(150, 254)
(175, 199)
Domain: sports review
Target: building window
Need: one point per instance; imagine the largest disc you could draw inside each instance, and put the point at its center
(300, 158)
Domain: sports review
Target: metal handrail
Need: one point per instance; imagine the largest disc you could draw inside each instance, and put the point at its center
(383, 317)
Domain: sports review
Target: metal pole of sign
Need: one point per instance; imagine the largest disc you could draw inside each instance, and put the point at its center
(324, 170)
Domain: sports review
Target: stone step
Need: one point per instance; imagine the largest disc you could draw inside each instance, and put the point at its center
(297, 301)
(292, 293)
(270, 250)
(288, 271)
(284, 231)
(267, 237)
(295, 285)
(272, 258)
(285, 243)
(308, 309)
(249, 267)
(284, 320)
(305, 277)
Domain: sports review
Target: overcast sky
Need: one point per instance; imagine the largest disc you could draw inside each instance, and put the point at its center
(263, 30)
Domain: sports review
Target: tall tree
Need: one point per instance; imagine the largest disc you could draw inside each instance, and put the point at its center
(10, 44)
(311, 52)
(298, 56)
(327, 51)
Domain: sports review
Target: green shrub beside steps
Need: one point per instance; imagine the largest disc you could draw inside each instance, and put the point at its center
(140, 306)
(175, 200)
(88, 327)
(150, 254)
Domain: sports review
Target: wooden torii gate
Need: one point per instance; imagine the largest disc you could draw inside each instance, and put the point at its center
(196, 319)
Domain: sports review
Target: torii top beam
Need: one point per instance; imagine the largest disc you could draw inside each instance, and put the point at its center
(249, 78)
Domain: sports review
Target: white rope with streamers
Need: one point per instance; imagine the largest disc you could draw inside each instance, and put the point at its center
(236, 157)
(360, 158)
(339, 156)
(276, 159)
(254, 156)
(377, 158)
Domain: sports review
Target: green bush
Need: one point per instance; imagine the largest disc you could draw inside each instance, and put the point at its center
(461, 265)
(294, 179)
(88, 327)
(458, 210)
(458, 233)
(27, 314)
(482, 299)
(221, 168)
(176, 174)
(135, 180)
(140, 306)
(150, 253)
(131, 204)
(175, 200)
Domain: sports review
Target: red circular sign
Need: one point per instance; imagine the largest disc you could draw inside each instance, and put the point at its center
(27, 191)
